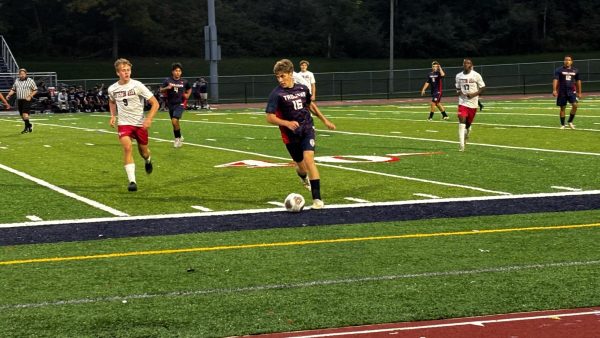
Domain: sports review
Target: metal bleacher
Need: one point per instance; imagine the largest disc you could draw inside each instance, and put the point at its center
(8, 66)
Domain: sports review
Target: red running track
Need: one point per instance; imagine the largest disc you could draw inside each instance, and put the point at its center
(571, 323)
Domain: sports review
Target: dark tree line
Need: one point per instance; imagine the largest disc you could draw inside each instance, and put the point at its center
(330, 28)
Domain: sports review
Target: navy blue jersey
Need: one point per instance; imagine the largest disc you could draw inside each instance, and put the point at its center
(175, 94)
(292, 104)
(435, 82)
(567, 80)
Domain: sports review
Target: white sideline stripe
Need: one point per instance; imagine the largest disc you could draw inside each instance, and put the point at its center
(314, 283)
(353, 199)
(60, 190)
(279, 204)
(465, 323)
(564, 188)
(405, 137)
(270, 210)
(320, 164)
(426, 195)
(422, 138)
(34, 218)
(201, 208)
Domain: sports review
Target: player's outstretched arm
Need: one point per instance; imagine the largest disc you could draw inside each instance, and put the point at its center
(112, 106)
(315, 110)
(151, 113)
(424, 88)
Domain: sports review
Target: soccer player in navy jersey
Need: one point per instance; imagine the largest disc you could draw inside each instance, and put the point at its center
(434, 79)
(566, 87)
(290, 108)
(177, 90)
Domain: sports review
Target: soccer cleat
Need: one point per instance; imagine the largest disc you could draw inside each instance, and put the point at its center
(306, 183)
(571, 125)
(178, 143)
(30, 129)
(562, 127)
(25, 131)
(430, 120)
(132, 186)
(148, 166)
(317, 204)
(445, 118)
(461, 147)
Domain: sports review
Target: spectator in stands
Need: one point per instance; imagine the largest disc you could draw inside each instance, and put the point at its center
(25, 88)
(6, 104)
(73, 104)
(63, 100)
(196, 93)
(203, 94)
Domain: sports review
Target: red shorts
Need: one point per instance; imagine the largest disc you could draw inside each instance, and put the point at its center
(139, 134)
(468, 113)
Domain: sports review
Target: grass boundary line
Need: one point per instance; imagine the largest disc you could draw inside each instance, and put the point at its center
(290, 243)
(289, 286)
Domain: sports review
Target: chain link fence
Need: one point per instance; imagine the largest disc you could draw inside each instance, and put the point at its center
(516, 78)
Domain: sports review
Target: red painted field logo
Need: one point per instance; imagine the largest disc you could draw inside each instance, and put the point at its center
(339, 159)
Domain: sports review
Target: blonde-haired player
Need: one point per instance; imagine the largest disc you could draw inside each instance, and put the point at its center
(126, 103)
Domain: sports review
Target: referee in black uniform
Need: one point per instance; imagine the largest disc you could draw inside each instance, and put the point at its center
(25, 88)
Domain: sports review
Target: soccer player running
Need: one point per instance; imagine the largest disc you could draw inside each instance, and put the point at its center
(434, 79)
(290, 107)
(26, 89)
(469, 85)
(126, 104)
(177, 91)
(566, 87)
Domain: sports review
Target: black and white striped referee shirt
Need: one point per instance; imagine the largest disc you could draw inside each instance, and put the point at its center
(24, 88)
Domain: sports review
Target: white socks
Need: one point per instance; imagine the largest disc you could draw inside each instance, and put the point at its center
(461, 134)
(130, 170)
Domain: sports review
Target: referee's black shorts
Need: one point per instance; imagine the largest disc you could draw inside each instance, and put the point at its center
(24, 106)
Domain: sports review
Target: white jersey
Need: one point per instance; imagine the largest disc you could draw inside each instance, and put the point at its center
(301, 80)
(129, 98)
(309, 77)
(468, 84)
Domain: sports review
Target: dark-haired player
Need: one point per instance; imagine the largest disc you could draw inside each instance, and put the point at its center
(290, 108)
(469, 85)
(566, 87)
(434, 79)
(177, 90)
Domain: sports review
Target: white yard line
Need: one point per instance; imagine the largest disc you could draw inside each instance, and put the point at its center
(564, 188)
(201, 208)
(426, 195)
(271, 210)
(357, 200)
(60, 190)
(315, 283)
(320, 164)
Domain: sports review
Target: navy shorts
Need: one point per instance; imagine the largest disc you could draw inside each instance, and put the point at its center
(298, 145)
(176, 111)
(436, 97)
(562, 99)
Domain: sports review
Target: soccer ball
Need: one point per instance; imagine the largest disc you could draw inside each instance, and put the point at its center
(294, 202)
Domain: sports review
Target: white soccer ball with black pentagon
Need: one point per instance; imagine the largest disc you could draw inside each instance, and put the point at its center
(294, 202)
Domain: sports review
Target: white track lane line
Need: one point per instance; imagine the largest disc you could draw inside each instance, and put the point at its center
(60, 190)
